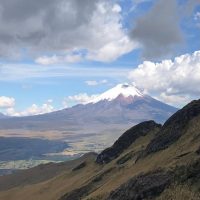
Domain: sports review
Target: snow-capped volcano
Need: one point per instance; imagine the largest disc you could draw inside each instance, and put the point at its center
(120, 106)
(125, 90)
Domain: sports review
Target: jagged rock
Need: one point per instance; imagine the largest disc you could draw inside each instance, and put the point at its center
(174, 127)
(188, 174)
(125, 158)
(198, 151)
(126, 140)
(152, 184)
(143, 187)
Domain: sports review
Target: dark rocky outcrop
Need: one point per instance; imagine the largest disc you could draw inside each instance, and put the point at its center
(126, 140)
(145, 186)
(100, 176)
(188, 174)
(80, 166)
(174, 127)
(125, 158)
(152, 184)
(198, 151)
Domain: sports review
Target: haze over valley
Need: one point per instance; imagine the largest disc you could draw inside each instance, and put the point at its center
(87, 127)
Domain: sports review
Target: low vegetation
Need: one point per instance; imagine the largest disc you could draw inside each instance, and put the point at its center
(136, 167)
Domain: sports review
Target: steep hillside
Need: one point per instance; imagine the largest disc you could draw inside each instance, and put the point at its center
(147, 162)
(42, 172)
(174, 127)
(126, 140)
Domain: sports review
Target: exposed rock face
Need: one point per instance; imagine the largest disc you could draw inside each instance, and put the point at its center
(174, 127)
(188, 174)
(80, 166)
(143, 187)
(198, 151)
(152, 184)
(126, 140)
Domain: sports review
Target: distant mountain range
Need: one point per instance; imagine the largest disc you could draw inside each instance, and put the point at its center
(3, 116)
(123, 105)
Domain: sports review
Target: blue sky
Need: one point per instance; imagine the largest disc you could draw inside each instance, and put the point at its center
(54, 55)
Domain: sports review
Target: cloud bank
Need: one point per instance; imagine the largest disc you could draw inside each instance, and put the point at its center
(56, 31)
(82, 98)
(6, 102)
(174, 81)
(34, 109)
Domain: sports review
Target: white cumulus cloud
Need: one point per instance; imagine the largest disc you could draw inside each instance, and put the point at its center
(6, 102)
(81, 98)
(34, 109)
(112, 50)
(176, 81)
(116, 8)
(111, 38)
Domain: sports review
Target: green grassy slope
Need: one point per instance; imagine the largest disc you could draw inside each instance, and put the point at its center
(146, 168)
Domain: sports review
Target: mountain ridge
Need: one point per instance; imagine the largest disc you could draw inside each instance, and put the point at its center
(172, 172)
(125, 140)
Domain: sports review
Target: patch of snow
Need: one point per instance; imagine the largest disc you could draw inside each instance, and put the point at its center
(125, 90)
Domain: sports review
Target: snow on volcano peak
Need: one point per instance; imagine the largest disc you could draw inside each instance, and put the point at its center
(125, 90)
